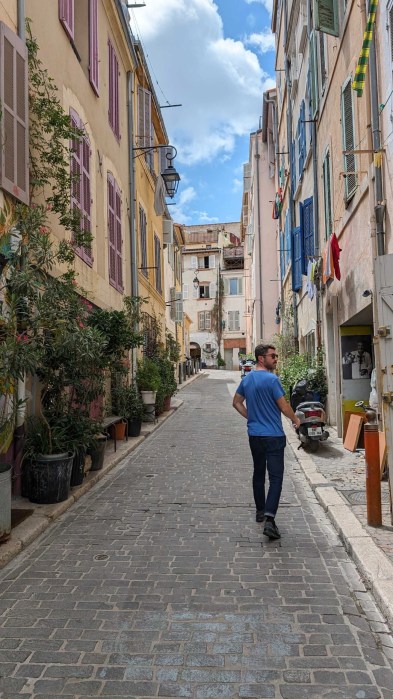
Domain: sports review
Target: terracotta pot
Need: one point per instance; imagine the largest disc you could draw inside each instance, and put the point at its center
(167, 403)
(118, 430)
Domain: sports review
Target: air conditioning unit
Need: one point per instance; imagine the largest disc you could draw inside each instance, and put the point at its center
(167, 227)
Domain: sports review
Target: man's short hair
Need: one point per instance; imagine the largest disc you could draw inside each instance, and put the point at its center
(262, 349)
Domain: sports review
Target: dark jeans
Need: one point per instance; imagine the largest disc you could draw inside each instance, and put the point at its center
(267, 452)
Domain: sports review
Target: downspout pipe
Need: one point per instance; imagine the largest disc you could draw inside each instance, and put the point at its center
(21, 19)
(273, 102)
(379, 206)
(132, 192)
(290, 148)
(316, 223)
(257, 159)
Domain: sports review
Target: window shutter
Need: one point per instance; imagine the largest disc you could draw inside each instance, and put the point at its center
(237, 320)
(230, 320)
(195, 293)
(293, 167)
(327, 195)
(326, 16)
(226, 287)
(322, 59)
(314, 75)
(212, 261)
(297, 259)
(118, 240)
(185, 292)
(179, 308)
(111, 230)
(14, 146)
(308, 232)
(66, 16)
(87, 255)
(76, 173)
(201, 320)
(348, 138)
(240, 285)
(194, 262)
(288, 246)
(391, 31)
(212, 290)
(302, 138)
(172, 296)
(208, 322)
(282, 255)
(113, 84)
(142, 239)
(157, 262)
(93, 45)
(145, 139)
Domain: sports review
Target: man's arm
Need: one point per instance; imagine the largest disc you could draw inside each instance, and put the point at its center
(287, 411)
(238, 404)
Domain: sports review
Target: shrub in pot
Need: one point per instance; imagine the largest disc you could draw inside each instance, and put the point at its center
(133, 411)
(148, 379)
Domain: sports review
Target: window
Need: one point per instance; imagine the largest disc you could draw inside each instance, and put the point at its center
(113, 86)
(143, 241)
(185, 292)
(326, 16)
(327, 197)
(14, 154)
(204, 291)
(66, 16)
(297, 250)
(233, 321)
(348, 129)
(301, 136)
(233, 286)
(93, 45)
(204, 320)
(145, 126)
(308, 232)
(115, 234)
(80, 184)
(157, 262)
(207, 262)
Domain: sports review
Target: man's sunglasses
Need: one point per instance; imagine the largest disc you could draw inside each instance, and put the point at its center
(273, 356)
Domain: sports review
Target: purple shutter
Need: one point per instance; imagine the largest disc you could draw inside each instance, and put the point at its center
(76, 170)
(111, 230)
(66, 16)
(93, 45)
(113, 113)
(119, 259)
(87, 254)
(14, 172)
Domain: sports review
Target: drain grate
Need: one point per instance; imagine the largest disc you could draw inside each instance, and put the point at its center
(358, 497)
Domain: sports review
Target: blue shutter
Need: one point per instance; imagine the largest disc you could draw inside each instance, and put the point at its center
(293, 167)
(308, 231)
(297, 259)
(282, 255)
(287, 240)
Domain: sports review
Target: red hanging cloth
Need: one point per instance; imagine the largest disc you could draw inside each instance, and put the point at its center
(336, 256)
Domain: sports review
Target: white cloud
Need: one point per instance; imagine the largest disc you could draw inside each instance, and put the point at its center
(268, 4)
(218, 81)
(237, 185)
(264, 41)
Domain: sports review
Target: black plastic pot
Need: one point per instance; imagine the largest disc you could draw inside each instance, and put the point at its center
(49, 478)
(97, 454)
(78, 468)
(134, 427)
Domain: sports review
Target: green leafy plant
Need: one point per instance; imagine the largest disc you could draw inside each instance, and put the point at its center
(147, 375)
(133, 403)
(220, 360)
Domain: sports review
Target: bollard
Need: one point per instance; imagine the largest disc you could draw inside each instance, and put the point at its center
(373, 472)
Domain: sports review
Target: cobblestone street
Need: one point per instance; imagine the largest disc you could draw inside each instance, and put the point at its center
(159, 582)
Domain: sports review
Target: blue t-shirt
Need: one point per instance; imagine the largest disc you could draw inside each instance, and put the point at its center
(262, 389)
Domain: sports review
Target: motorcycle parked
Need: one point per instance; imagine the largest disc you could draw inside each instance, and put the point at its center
(311, 414)
(246, 366)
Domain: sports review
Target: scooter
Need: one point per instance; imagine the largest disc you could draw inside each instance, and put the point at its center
(247, 365)
(312, 417)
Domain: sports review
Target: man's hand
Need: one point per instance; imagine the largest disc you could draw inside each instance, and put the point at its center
(238, 404)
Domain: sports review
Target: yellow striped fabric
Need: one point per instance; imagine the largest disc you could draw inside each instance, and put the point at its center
(360, 73)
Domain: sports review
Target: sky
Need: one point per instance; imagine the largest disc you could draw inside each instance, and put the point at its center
(216, 59)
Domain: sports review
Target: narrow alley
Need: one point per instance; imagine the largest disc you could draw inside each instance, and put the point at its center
(159, 582)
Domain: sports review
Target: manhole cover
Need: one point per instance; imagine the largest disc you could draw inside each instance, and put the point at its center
(101, 557)
(358, 497)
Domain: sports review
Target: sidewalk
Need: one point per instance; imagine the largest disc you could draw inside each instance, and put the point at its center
(40, 517)
(338, 479)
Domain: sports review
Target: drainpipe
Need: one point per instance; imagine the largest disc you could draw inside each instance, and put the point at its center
(289, 148)
(132, 198)
(21, 19)
(316, 224)
(257, 158)
(273, 102)
(379, 206)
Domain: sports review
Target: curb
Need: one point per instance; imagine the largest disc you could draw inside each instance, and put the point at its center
(32, 527)
(374, 566)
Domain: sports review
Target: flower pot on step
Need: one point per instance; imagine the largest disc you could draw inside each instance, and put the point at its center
(78, 468)
(97, 453)
(50, 476)
(118, 430)
(167, 403)
(134, 427)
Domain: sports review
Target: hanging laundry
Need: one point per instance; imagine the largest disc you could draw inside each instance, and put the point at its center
(360, 72)
(310, 283)
(336, 256)
(277, 204)
(327, 263)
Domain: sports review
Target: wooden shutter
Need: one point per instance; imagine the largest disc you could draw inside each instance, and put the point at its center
(208, 320)
(66, 16)
(179, 307)
(194, 262)
(237, 320)
(308, 232)
(143, 242)
(326, 16)
(86, 196)
(111, 230)
(327, 195)
(201, 320)
(157, 261)
(145, 126)
(293, 167)
(297, 259)
(322, 61)
(118, 240)
(391, 31)
(288, 246)
(302, 138)
(113, 84)
(347, 122)
(230, 320)
(76, 173)
(14, 172)
(185, 292)
(314, 75)
(212, 261)
(282, 255)
(93, 45)
(212, 290)
(172, 296)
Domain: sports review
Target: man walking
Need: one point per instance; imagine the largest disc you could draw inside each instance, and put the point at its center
(264, 396)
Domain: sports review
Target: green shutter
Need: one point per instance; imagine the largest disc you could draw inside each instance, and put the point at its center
(327, 195)
(326, 16)
(347, 124)
(314, 75)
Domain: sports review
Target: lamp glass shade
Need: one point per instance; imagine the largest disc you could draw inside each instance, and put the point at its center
(195, 282)
(171, 179)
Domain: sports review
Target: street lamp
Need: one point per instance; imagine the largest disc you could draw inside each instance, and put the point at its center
(195, 282)
(170, 175)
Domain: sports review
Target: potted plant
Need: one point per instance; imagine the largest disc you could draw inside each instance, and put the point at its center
(148, 379)
(221, 364)
(133, 411)
(97, 451)
(168, 385)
